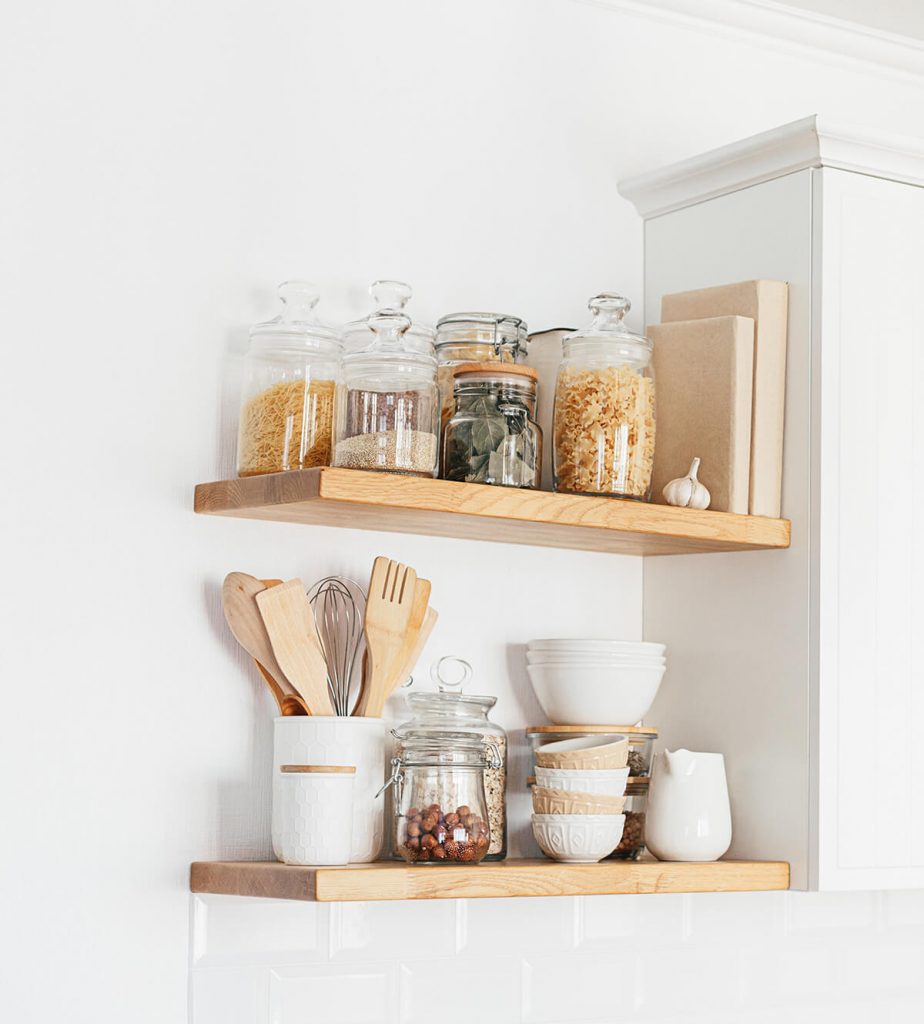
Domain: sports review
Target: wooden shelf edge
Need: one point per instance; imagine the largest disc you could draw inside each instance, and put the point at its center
(383, 501)
(389, 880)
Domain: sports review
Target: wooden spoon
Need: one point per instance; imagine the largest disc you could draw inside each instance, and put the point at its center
(292, 703)
(415, 623)
(289, 623)
(238, 594)
(388, 611)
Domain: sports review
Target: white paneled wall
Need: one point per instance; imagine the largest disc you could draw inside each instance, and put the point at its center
(749, 958)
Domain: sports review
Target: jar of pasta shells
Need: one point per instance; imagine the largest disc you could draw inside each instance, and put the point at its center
(290, 376)
(387, 414)
(475, 338)
(604, 419)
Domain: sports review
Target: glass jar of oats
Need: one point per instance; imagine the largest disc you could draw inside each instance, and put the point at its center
(290, 376)
(451, 712)
(604, 419)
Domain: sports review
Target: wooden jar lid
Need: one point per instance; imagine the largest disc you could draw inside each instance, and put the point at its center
(637, 731)
(514, 369)
(321, 769)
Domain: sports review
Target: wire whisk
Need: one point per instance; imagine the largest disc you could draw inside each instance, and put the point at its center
(339, 606)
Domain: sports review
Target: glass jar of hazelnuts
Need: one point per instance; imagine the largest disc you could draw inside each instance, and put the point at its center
(440, 809)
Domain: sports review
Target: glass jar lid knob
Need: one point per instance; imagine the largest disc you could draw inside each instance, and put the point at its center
(608, 307)
(298, 300)
(390, 295)
(444, 682)
(389, 327)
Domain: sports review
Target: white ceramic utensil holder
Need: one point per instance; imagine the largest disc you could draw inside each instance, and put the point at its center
(688, 813)
(308, 739)
(317, 814)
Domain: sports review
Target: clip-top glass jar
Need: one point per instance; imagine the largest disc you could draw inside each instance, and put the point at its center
(493, 437)
(389, 296)
(440, 810)
(290, 375)
(604, 420)
(475, 338)
(387, 412)
(451, 712)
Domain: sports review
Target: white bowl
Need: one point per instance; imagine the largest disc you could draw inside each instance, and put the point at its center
(633, 661)
(600, 782)
(594, 695)
(578, 838)
(609, 646)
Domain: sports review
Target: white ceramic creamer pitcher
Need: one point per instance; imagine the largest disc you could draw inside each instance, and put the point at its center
(689, 817)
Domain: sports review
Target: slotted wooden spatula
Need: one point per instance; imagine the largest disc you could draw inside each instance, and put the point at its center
(289, 623)
(414, 625)
(388, 611)
(423, 636)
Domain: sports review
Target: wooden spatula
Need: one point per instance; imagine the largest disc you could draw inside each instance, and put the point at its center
(388, 610)
(415, 622)
(238, 598)
(289, 623)
(423, 635)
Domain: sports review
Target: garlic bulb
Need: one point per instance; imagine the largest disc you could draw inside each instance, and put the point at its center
(687, 491)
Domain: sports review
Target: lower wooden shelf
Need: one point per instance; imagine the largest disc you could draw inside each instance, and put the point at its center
(390, 880)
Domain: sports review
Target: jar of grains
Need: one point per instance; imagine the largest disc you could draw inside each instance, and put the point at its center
(604, 420)
(475, 338)
(387, 410)
(449, 711)
(493, 437)
(388, 296)
(287, 399)
(440, 811)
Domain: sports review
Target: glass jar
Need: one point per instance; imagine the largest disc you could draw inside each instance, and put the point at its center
(387, 410)
(287, 399)
(440, 810)
(493, 437)
(604, 419)
(641, 740)
(632, 844)
(475, 338)
(389, 296)
(449, 711)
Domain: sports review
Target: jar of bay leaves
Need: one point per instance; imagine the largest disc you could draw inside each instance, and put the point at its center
(387, 410)
(493, 437)
(475, 338)
(290, 375)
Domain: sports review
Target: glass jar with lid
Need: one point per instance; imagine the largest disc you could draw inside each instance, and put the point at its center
(440, 810)
(387, 410)
(389, 296)
(475, 338)
(604, 419)
(450, 711)
(287, 399)
(493, 437)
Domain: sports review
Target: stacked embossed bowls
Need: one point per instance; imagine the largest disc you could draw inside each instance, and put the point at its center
(578, 682)
(579, 797)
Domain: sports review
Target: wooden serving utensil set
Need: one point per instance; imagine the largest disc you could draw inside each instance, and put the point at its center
(275, 624)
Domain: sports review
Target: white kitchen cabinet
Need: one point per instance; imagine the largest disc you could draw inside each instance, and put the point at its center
(806, 666)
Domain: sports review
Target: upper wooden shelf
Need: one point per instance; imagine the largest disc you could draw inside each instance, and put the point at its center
(391, 880)
(402, 504)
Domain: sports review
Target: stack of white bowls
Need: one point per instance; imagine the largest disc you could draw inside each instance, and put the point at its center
(595, 682)
(578, 798)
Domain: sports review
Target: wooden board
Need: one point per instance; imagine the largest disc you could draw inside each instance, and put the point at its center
(382, 501)
(395, 881)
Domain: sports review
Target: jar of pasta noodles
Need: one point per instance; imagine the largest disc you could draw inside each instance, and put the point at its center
(291, 373)
(604, 420)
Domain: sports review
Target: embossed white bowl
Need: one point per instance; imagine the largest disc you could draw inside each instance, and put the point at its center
(599, 782)
(578, 838)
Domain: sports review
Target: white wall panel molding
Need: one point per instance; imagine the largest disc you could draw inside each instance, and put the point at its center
(810, 142)
(791, 30)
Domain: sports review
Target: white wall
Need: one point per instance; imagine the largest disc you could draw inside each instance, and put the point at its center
(164, 166)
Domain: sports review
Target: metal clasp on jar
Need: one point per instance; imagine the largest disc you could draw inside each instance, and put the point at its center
(396, 779)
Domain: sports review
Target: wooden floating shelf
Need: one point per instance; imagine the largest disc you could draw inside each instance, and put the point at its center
(391, 880)
(383, 501)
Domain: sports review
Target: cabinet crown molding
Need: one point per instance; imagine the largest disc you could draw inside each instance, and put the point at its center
(810, 142)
